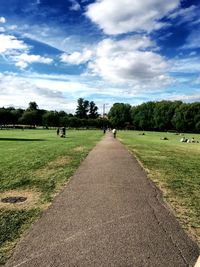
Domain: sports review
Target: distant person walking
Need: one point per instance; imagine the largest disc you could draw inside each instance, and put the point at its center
(114, 131)
(63, 131)
(58, 131)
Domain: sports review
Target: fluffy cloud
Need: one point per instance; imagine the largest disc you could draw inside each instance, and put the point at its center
(9, 43)
(186, 65)
(20, 91)
(192, 97)
(193, 40)
(55, 92)
(24, 59)
(77, 58)
(2, 20)
(17, 51)
(123, 16)
(130, 62)
(75, 5)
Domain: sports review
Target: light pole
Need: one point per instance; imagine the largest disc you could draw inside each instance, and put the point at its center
(104, 109)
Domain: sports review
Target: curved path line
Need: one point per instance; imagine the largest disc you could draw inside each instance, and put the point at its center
(109, 214)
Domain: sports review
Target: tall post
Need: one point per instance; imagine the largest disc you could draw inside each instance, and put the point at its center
(104, 107)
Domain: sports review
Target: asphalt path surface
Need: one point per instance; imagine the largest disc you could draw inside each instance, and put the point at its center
(109, 214)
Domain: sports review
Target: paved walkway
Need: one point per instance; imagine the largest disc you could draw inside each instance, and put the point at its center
(109, 214)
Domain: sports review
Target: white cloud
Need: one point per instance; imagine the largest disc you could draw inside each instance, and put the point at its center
(2, 20)
(24, 59)
(193, 40)
(17, 51)
(20, 91)
(129, 62)
(185, 65)
(192, 97)
(123, 16)
(77, 58)
(11, 43)
(55, 92)
(184, 14)
(75, 5)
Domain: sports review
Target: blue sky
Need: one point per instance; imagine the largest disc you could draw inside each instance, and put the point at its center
(130, 51)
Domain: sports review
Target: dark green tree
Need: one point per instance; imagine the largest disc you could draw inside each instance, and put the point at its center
(143, 116)
(93, 114)
(119, 115)
(164, 112)
(30, 118)
(32, 106)
(82, 108)
(51, 118)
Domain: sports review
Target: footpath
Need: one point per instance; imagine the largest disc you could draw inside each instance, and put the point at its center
(109, 214)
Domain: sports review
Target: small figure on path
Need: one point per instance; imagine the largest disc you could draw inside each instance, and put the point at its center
(114, 131)
(104, 130)
(58, 131)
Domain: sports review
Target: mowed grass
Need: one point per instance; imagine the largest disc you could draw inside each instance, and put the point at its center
(174, 167)
(35, 164)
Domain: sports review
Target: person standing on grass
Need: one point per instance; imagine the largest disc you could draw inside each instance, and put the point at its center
(58, 131)
(63, 131)
(114, 131)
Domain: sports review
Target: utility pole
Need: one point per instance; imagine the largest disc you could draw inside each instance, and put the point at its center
(104, 109)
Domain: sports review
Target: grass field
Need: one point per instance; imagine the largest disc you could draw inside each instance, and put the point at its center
(174, 167)
(35, 164)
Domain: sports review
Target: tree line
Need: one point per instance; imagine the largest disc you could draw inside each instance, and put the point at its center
(86, 116)
(151, 116)
(157, 116)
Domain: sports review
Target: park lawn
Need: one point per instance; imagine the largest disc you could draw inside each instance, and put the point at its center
(35, 164)
(174, 167)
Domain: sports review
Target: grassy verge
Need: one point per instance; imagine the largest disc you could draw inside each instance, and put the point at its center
(35, 164)
(174, 167)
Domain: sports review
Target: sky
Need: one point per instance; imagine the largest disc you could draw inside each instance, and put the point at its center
(106, 51)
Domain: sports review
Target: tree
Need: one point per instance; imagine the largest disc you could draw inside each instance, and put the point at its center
(143, 116)
(51, 118)
(163, 114)
(32, 106)
(82, 108)
(93, 114)
(30, 118)
(120, 114)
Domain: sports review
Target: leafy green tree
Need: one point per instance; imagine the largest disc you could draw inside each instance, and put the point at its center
(30, 118)
(143, 116)
(82, 108)
(120, 114)
(32, 106)
(179, 118)
(93, 114)
(16, 113)
(163, 114)
(51, 118)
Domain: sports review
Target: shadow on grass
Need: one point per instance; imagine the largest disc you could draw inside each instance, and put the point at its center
(19, 139)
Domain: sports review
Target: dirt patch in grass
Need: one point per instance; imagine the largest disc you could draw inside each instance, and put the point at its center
(31, 202)
(59, 162)
(80, 149)
(50, 168)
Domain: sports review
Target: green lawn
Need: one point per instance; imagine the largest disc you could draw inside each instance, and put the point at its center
(174, 167)
(35, 164)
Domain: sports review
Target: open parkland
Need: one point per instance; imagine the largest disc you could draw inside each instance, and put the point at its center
(37, 164)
